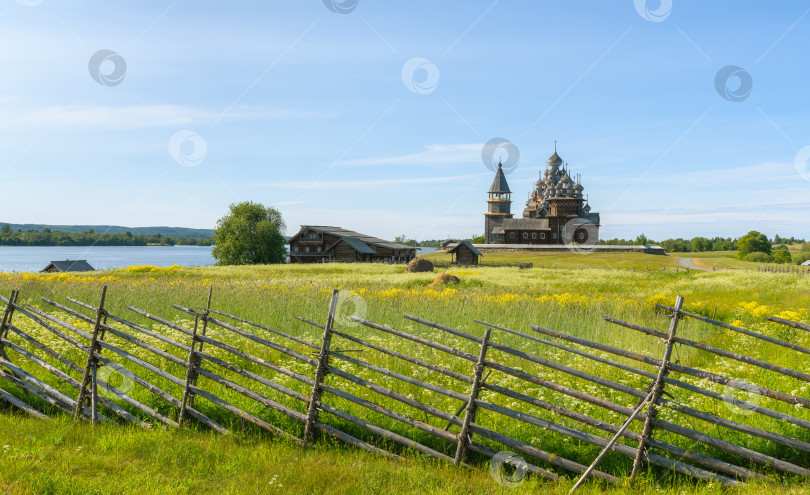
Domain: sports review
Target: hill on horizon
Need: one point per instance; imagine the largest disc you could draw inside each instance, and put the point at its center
(116, 229)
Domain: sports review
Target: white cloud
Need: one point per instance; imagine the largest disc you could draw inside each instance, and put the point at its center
(388, 224)
(434, 154)
(346, 184)
(721, 177)
(89, 116)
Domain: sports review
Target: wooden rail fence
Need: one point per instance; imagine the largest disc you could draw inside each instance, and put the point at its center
(182, 367)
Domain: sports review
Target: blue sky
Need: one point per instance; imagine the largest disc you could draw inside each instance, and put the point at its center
(291, 104)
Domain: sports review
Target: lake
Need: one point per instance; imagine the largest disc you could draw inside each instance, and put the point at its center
(35, 258)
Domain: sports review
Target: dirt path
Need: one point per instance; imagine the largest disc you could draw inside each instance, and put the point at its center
(687, 263)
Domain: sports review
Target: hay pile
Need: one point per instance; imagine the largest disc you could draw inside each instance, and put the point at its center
(417, 265)
(444, 279)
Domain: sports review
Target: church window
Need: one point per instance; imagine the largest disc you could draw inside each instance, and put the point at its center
(581, 236)
(555, 236)
(525, 235)
(319, 249)
(307, 248)
(511, 235)
(534, 235)
(542, 236)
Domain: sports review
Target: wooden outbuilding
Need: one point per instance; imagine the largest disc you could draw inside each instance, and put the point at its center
(465, 253)
(69, 266)
(317, 244)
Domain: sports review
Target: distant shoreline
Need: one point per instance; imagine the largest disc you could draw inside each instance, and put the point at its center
(105, 245)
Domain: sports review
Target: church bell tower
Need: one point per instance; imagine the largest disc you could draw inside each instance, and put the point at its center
(499, 207)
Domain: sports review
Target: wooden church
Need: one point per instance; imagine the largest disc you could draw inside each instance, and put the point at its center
(556, 211)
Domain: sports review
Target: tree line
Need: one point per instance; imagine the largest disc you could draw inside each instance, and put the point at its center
(680, 245)
(47, 237)
(753, 246)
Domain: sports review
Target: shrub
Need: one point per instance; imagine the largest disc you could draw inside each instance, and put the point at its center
(753, 242)
(757, 257)
(782, 256)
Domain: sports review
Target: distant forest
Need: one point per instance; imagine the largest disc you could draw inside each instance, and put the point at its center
(679, 245)
(696, 244)
(48, 237)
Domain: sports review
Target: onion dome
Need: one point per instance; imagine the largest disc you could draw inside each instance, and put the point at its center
(555, 160)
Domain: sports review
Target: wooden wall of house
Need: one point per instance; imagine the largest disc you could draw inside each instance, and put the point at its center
(539, 239)
(344, 252)
(341, 252)
(466, 257)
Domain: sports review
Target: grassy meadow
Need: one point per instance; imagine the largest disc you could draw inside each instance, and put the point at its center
(57, 457)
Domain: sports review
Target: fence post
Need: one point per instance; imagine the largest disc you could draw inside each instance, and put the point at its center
(92, 363)
(656, 390)
(12, 299)
(194, 361)
(197, 358)
(320, 371)
(191, 374)
(469, 416)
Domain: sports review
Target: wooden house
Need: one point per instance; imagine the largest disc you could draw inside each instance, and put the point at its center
(464, 253)
(68, 266)
(316, 244)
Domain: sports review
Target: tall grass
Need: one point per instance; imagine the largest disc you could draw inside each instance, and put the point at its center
(570, 301)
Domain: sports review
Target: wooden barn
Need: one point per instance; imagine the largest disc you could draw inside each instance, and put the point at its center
(68, 266)
(317, 244)
(465, 253)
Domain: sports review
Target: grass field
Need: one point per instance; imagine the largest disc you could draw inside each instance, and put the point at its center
(573, 260)
(571, 301)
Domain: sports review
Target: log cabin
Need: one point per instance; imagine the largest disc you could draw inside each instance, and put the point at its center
(318, 244)
(464, 253)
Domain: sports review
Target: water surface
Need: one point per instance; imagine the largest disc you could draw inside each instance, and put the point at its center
(35, 258)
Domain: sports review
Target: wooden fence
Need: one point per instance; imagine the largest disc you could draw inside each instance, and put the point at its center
(181, 369)
(785, 268)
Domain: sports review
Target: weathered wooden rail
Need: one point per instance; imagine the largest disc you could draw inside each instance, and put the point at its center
(220, 356)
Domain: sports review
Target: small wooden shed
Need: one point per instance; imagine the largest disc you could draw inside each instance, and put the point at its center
(465, 253)
(68, 266)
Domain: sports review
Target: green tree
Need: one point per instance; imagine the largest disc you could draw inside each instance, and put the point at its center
(782, 256)
(250, 234)
(700, 244)
(753, 242)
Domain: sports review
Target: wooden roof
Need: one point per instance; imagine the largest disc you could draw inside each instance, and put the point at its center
(526, 224)
(499, 184)
(468, 246)
(69, 266)
(362, 243)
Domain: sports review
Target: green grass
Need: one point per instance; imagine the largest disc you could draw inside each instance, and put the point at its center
(574, 260)
(571, 301)
(58, 457)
